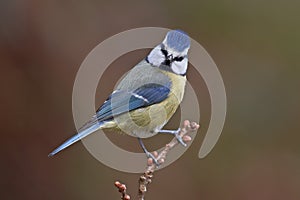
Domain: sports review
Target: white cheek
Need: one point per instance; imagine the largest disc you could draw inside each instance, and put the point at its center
(179, 67)
(155, 57)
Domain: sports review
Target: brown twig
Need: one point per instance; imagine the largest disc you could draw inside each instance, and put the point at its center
(147, 176)
(122, 190)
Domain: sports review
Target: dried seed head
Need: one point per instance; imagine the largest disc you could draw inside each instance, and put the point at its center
(161, 161)
(150, 161)
(117, 184)
(186, 123)
(186, 138)
(123, 187)
(142, 178)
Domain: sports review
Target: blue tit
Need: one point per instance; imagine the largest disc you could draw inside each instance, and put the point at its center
(147, 96)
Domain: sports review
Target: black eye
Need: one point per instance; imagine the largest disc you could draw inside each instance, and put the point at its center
(165, 52)
(178, 58)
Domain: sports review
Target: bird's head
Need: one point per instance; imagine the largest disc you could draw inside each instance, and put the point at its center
(171, 54)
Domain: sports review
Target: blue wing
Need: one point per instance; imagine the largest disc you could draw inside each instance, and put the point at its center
(124, 101)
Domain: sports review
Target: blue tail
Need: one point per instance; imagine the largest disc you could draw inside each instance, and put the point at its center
(76, 137)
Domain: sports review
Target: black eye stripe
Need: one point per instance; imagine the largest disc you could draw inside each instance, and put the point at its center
(165, 52)
(178, 58)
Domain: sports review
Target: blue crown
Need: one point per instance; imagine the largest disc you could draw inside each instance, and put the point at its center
(178, 40)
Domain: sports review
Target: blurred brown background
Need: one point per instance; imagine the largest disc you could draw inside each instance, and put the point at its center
(255, 45)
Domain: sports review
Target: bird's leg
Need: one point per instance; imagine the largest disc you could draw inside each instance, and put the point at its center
(148, 154)
(175, 133)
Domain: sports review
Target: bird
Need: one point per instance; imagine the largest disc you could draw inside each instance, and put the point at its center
(147, 97)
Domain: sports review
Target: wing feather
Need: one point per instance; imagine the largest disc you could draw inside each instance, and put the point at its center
(122, 101)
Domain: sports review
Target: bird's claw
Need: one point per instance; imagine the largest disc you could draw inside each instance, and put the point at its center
(179, 138)
(150, 155)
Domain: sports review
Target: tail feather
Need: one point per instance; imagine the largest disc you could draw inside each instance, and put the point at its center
(75, 138)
